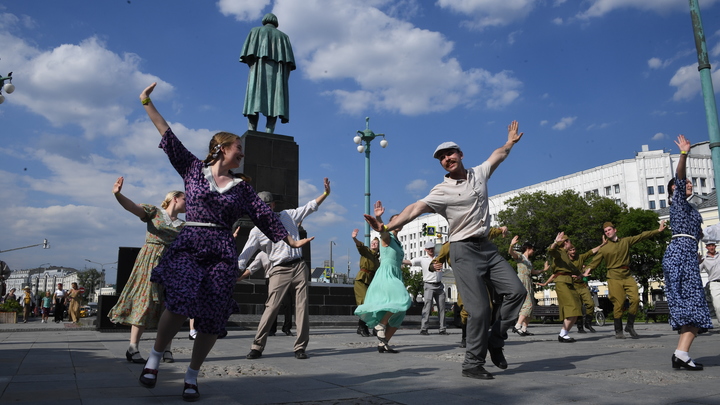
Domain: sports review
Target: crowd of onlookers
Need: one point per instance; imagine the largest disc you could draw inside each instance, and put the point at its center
(61, 303)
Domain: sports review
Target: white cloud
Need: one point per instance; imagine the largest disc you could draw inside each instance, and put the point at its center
(687, 82)
(543, 122)
(418, 186)
(655, 63)
(243, 10)
(83, 84)
(513, 35)
(393, 65)
(599, 8)
(490, 13)
(557, 21)
(564, 123)
(659, 136)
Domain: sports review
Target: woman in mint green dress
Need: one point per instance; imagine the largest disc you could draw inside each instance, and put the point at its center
(387, 299)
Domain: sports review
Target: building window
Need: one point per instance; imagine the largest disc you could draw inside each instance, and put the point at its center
(617, 189)
(651, 190)
(663, 204)
(596, 192)
(694, 181)
(607, 190)
(661, 189)
(702, 182)
(652, 205)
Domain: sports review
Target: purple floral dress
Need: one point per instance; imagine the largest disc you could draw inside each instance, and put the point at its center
(199, 269)
(683, 285)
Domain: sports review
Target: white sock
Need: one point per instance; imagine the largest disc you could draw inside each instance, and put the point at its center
(684, 356)
(563, 332)
(133, 348)
(153, 362)
(524, 328)
(518, 326)
(191, 378)
(193, 333)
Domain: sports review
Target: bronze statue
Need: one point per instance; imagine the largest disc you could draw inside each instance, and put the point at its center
(268, 53)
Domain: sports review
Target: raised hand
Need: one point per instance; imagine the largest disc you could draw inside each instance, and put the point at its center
(327, 186)
(117, 187)
(374, 223)
(355, 233)
(148, 90)
(379, 209)
(513, 135)
(683, 143)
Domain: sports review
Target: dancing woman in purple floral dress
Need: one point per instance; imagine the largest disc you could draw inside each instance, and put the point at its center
(689, 313)
(199, 269)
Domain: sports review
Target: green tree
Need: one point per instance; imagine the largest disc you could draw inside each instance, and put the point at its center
(538, 217)
(645, 256)
(413, 281)
(91, 279)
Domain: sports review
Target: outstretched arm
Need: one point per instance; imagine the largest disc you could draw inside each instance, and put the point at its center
(126, 203)
(410, 212)
(355, 239)
(157, 119)
(500, 154)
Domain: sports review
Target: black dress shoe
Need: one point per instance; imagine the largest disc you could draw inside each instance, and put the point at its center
(148, 382)
(443, 332)
(300, 354)
(385, 348)
(134, 357)
(190, 396)
(424, 332)
(271, 333)
(677, 364)
(497, 357)
(288, 333)
(363, 331)
(477, 372)
(563, 340)
(222, 334)
(254, 354)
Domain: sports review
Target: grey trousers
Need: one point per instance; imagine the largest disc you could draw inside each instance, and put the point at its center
(478, 266)
(433, 292)
(281, 278)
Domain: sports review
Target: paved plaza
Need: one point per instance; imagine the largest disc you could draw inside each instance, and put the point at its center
(62, 364)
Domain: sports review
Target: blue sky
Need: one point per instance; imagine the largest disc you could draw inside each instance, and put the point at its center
(589, 81)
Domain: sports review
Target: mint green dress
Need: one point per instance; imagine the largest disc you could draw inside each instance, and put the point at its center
(387, 292)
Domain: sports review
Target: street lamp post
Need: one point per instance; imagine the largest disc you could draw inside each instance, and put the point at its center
(332, 268)
(102, 265)
(363, 139)
(9, 87)
(45, 245)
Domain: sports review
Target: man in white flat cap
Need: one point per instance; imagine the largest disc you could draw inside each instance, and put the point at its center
(433, 288)
(462, 198)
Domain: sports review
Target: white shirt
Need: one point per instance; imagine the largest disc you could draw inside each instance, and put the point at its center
(428, 276)
(262, 261)
(464, 203)
(279, 252)
(711, 266)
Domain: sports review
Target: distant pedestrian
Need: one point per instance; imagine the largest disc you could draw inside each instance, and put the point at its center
(73, 303)
(689, 312)
(27, 300)
(433, 288)
(59, 297)
(10, 295)
(46, 305)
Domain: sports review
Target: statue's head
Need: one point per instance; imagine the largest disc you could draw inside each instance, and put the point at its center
(270, 18)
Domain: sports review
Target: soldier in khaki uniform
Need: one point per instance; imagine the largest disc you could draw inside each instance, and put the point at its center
(369, 263)
(581, 285)
(616, 254)
(564, 271)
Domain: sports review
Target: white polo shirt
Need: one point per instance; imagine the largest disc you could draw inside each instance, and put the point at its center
(464, 203)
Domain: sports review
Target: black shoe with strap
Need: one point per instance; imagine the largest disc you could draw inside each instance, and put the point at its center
(254, 354)
(478, 372)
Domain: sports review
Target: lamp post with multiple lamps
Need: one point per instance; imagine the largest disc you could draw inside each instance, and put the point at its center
(45, 245)
(9, 87)
(363, 139)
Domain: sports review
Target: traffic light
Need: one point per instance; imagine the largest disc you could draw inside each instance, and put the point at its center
(424, 229)
(45, 244)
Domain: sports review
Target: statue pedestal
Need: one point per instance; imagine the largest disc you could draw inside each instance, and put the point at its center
(272, 162)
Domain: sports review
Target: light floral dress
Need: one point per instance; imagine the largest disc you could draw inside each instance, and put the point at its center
(141, 301)
(524, 269)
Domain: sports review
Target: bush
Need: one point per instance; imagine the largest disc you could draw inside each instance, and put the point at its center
(10, 306)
